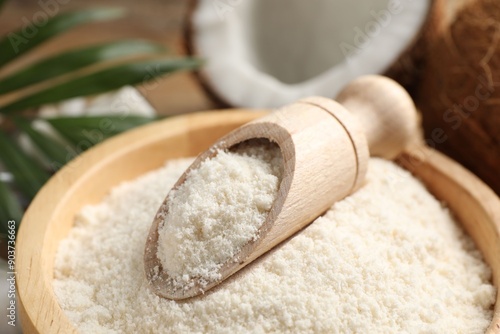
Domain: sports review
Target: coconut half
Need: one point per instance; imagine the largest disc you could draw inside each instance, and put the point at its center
(266, 53)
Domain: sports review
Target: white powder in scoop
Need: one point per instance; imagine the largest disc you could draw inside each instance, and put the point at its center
(217, 210)
(387, 259)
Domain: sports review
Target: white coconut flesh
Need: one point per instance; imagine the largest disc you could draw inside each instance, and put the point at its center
(266, 53)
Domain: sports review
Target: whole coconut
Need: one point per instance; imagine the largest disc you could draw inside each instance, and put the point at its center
(459, 91)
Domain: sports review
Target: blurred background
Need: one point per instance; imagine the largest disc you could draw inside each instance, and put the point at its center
(156, 20)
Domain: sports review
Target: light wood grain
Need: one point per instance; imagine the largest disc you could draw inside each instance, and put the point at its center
(385, 110)
(320, 166)
(325, 154)
(127, 156)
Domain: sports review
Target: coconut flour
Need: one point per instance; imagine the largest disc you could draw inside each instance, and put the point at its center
(216, 211)
(387, 259)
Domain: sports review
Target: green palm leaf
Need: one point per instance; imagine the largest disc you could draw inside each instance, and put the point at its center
(93, 129)
(74, 60)
(103, 81)
(28, 175)
(54, 151)
(22, 40)
(10, 209)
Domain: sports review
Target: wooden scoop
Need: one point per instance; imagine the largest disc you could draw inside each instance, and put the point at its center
(325, 156)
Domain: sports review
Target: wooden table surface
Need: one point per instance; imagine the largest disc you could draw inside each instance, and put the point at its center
(157, 20)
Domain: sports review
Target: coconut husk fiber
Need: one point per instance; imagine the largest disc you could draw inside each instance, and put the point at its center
(407, 69)
(459, 90)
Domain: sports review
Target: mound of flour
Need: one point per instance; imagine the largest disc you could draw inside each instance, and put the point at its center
(216, 211)
(387, 259)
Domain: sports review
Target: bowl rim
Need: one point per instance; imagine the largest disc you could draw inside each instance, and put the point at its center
(39, 309)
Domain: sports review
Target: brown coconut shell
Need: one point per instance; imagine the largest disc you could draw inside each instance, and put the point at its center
(406, 69)
(459, 93)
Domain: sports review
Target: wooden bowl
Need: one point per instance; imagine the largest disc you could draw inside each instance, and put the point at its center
(87, 179)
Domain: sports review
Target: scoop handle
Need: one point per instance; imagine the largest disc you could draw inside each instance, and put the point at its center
(385, 111)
